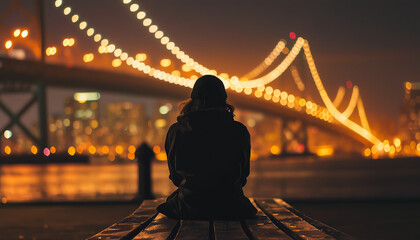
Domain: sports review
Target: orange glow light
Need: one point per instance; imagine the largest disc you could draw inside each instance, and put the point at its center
(275, 150)
(141, 57)
(16, 33)
(24, 33)
(34, 149)
(88, 57)
(71, 151)
(186, 68)
(79, 149)
(105, 149)
(131, 149)
(131, 156)
(161, 156)
(8, 44)
(116, 62)
(7, 150)
(92, 149)
(156, 149)
(51, 51)
(119, 149)
(165, 62)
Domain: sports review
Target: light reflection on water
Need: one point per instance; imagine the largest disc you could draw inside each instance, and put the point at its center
(55, 182)
(286, 178)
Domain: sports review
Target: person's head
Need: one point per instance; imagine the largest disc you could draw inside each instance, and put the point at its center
(208, 92)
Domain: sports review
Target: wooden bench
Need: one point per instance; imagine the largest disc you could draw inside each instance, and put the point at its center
(275, 220)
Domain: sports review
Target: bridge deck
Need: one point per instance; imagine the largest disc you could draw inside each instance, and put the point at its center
(93, 79)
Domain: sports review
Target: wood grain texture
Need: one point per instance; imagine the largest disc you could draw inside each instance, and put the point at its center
(193, 230)
(263, 228)
(290, 223)
(160, 228)
(132, 224)
(229, 230)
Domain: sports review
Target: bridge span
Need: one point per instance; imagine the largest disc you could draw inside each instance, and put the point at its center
(30, 72)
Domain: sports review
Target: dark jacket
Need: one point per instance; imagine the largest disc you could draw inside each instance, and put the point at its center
(208, 158)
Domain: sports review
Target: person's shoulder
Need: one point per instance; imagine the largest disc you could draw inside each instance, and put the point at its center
(240, 126)
(173, 127)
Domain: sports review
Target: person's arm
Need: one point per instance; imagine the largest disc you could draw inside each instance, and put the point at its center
(245, 154)
(170, 153)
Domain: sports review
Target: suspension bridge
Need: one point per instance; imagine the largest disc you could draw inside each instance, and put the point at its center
(253, 90)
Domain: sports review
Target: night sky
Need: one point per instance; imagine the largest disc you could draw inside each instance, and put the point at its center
(374, 44)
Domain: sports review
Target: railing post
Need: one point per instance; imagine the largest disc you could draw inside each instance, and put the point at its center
(144, 155)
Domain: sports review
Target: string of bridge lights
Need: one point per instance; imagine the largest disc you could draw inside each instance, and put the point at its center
(262, 81)
(119, 53)
(297, 78)
(283, 98)
(165, 40)
(237, 84)
(365, 133)
(339, 97)
(267, 61)
(268, 92)
(360, 108)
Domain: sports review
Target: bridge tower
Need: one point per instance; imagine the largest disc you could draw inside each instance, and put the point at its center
(294, 133)
(34, 19)
(294, 137)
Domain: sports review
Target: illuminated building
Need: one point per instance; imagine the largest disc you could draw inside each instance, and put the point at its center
(409, 119)
(124, 123)
(81, 118)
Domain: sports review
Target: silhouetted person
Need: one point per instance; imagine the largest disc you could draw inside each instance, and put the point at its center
(208, 158)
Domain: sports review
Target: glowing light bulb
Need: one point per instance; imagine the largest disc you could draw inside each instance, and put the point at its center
(117, 52)
(97, 37)
(75, 18)
(164, 40)
(88, 57)
(153, 29)
(141, 57)
(24, 33)
(65, 42)
(58, 3)
(16, 33)
(165, 62)
(111, 48)
(82, 25)
(159, 34)
(147, 22)
(124, 56)
(67, 11)
(104, 42)
(141, 15)
(8, 44)
(134, 7)
(90, 32)
(170, 45)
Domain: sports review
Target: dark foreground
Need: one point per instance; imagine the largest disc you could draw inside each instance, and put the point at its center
(363, 220)
(364, 198)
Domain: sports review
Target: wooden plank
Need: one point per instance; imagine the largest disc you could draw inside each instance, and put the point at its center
(229, 230)
(289, 222)
(321, 226)
(193, 230)
(263, 228)
(132, 224)
(161, 227)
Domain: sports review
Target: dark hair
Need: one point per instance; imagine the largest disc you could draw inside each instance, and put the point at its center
(195, 104)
